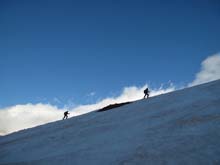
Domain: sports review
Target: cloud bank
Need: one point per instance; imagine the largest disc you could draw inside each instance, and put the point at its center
(25, 116)
(29, 115)
(19, 117)
(210, 70)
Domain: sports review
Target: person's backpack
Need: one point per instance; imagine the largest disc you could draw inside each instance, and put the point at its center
(146, 91)
(65, 113)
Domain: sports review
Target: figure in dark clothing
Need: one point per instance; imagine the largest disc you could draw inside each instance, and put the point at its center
(146, 93)
(65, 115)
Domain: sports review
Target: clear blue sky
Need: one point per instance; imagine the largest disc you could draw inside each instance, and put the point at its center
(68, 49)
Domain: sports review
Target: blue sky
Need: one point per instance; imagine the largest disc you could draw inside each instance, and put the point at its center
(69, 49)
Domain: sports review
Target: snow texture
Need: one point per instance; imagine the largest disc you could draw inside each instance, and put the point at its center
(182, 127)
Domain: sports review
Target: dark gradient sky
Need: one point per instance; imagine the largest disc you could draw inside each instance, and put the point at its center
(68, 49)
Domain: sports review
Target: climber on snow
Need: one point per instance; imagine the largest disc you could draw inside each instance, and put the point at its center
(65, 115)
(146, 93)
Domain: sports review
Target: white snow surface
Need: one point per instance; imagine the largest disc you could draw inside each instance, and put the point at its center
(182, 127)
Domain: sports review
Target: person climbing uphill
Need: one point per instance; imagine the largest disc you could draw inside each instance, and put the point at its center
(146, 93)
(65, 115)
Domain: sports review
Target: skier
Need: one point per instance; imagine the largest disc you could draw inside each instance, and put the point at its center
(146, 93)
(65, 115)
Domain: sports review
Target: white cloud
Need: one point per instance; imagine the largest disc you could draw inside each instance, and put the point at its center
(128, 94)
(29, 115)
(19, 117)
(56, 100)
(210, 70)
(91, 94)
(24, 116)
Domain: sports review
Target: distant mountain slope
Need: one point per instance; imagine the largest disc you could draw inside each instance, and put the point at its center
(182, 127)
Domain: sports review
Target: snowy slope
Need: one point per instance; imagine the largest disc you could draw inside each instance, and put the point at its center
(181, 127)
